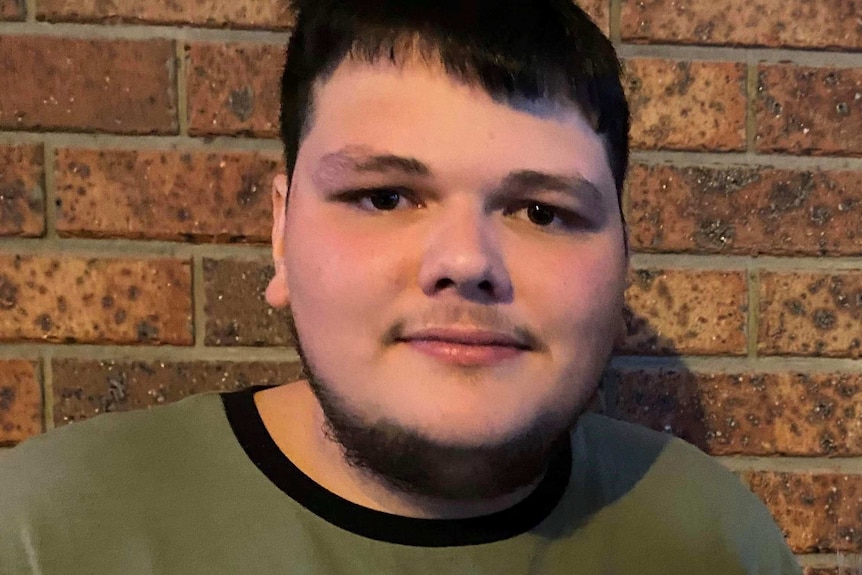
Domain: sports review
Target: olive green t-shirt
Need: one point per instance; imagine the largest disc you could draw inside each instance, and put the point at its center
(200, 487)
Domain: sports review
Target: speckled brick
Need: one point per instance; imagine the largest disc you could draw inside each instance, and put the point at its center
(22, 195)
(167, 195)
(679, 105)
(66, 299)
(12, 10)
(805, 110)
(84, 388)
(118, 86)
(672, 312)
(791, 23)
(274, 15)
(237, 313)
(812, 314)
(819, 512)
(234, 88)
(20, 401)
(744, 210)
(749, 414)
(599, 11)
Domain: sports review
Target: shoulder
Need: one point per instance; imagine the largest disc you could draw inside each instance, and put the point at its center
(85, 457)
(682, 497)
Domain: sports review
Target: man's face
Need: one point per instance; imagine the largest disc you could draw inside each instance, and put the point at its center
(455, 264)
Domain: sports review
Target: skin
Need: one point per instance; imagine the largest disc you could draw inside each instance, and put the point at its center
(399, 311)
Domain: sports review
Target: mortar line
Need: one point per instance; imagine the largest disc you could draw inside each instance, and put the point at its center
(51, 199)
(722, 262)
(737, 365)
(682, 158)
(750, 108)
(614, 22)
(199, 302)
(98, 31)
(48, 389)
(125, 352)
(752, 55)
(136, 249)
(791, 464)
(182, 88)
(830, 560)
(30, 10)
(753, 318)
(144, 142)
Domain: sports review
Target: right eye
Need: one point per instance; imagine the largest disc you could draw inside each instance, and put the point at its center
(384, 200)
(379, 199)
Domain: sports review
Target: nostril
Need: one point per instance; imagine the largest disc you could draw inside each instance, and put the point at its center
(486, 286)
(443, 283)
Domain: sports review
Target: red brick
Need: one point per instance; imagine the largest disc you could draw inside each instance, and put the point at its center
(234, 88)
(744, 210)
(812, 314)
(66, 299)
(276, 15)
(680, 105)
(749, 414)
(691, 312)
(20, 401)
(22, 195)
(118, 86)
(168, 195)
(819, 512)
(12, 10)
(805, 110)
(237, 313)
(794, 23)
(83, 388)
(598, 11)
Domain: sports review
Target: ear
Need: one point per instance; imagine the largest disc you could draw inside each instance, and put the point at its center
(277, 294)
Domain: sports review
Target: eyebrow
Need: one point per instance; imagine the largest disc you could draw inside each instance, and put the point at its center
(531, 180)
(362, 159)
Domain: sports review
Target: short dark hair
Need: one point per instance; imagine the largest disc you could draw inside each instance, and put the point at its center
(513, 49)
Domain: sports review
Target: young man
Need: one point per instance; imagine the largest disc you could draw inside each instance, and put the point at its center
(451, 245)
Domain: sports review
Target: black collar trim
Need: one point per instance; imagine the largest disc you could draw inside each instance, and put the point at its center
(251, 433)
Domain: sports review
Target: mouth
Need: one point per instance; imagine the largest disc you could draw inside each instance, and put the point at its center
(467, 346)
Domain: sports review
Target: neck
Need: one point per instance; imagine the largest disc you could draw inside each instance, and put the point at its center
(296, 423)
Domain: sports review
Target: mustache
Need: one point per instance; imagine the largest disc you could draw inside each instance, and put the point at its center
(481, 318)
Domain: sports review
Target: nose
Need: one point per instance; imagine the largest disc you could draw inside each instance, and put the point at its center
(463, 254)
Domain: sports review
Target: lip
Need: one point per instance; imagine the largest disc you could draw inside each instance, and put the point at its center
(466, 347)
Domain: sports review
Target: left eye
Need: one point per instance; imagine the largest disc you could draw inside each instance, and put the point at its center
(540, 214)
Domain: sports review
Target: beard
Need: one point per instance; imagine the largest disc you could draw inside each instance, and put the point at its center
(416, 464)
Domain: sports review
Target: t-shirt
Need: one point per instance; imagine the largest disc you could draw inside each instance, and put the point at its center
(200, 487)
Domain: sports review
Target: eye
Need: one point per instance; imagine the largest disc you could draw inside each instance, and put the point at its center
(548, 217)
(540, 214)
(384, 200)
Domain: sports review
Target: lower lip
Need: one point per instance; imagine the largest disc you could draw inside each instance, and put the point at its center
(464, 354)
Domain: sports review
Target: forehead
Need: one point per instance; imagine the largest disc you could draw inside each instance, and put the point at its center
(415, 109)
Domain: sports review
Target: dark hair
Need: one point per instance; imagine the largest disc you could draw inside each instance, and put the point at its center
(512, 49)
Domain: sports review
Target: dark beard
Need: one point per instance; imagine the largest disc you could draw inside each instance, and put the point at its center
(415, 464)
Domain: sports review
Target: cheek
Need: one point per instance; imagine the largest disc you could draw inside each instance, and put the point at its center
(582, 299)
(337, 272)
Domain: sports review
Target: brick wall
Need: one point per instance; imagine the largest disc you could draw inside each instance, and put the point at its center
(138, 138)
